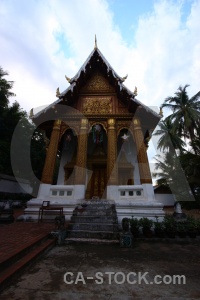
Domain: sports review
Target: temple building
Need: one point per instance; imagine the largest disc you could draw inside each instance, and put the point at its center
(101, 132)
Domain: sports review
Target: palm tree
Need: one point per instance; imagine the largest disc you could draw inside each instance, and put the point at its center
(169, 172)
(169, 139)
(186, 111)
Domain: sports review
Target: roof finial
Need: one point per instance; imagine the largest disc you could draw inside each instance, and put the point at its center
(68, 79)
(57, 92)
(161, 112)
(124, 78)
(95, 42)
(135, 91)
(31, 114)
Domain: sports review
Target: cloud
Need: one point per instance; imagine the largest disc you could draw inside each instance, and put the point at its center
(42, 41)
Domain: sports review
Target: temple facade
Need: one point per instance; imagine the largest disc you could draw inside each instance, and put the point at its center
(100, 132)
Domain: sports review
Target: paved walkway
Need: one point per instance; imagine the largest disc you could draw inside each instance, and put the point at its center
(45, 279)
(17, 236)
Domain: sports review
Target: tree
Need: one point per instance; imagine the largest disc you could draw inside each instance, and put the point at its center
(10, 117)
(5, 91)
(169, 139)
(186, 111)
(182, 123)
(171, 174)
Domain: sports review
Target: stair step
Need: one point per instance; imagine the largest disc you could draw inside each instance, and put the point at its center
(110, 235)
(91, 241)
(93, 212)
(94, 219)
(93, 226)
(7, 274)
(22, 251)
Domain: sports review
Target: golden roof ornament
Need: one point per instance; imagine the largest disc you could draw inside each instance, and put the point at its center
(124, 78)
(68, 79)
(57, 92)
(135, 93)
(95, 42)
(31, 114)
(161, 112)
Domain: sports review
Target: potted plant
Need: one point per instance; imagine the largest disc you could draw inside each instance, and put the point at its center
(159, 228)
(125, 224)
(182, 229)
(169, 226)
(146, 225)
(192, 227)
(134, 226)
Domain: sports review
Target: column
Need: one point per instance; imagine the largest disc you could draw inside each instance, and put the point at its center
(143, 163)
(80, 174)
(112, 167)
(48, 170)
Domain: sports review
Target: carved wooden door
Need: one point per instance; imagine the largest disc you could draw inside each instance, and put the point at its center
(97, 184)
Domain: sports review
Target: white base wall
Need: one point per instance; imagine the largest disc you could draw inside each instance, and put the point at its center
(133, 200)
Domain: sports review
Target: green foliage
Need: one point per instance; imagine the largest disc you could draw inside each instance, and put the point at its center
(178, 166)
(146, 223)
(186, 111)
(10, 117)
(169, 224)
(134, 223)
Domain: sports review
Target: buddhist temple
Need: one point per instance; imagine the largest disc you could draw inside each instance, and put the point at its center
(100, 132)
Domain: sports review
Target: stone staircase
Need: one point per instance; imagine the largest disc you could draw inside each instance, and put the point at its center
(94, 219)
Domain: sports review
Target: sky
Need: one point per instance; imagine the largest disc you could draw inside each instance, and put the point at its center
(155, 42)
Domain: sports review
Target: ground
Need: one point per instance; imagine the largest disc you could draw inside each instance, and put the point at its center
(45, 279)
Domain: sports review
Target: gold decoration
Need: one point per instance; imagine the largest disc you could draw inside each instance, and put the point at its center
(145, 174)
(100, 105)
(124, 78)
(48, 170)
(95, 42)
(80, 173)
(161, 112)
(31, 114)
(135, 93)
(98, 84)
(136, 122)
(68, 79)
(112, 170)
(57, 92)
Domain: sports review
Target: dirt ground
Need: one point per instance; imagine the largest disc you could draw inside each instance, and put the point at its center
(45, 278)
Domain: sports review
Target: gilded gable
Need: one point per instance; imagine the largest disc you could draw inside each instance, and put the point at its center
(97, 84)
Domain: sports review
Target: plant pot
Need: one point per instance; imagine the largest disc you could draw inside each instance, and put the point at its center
(147, 232)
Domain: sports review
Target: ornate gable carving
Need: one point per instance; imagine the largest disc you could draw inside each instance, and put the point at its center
(97, 105)
(98, 84)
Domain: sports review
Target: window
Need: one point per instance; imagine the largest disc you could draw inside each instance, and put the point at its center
(122, 193)
(69, 193)
(138, 193)
(61, 193)
(54, 193)
(130, 193)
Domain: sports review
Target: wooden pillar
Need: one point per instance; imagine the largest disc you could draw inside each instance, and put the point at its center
(48, 170)
(80, 173)
(143, 163)
(112, 167)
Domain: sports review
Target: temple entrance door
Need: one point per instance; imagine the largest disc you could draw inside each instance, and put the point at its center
(97, 184)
